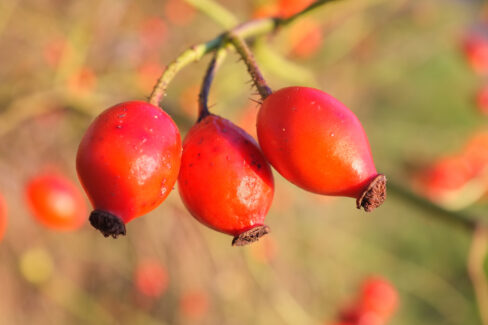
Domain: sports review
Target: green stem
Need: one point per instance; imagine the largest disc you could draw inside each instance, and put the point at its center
(252, 28)
(215, 11)
(456, 218)
(252, 67)
(213, 66)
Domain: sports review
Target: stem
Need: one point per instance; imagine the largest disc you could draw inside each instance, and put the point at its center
(252, 67)
(215, 11)
(477, 255)
(252, 28)
(217, 60)
(456, 218)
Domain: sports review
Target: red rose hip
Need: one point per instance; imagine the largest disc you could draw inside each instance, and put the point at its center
(318, 144)
(55, 201)
(225, 182)
(128, 162)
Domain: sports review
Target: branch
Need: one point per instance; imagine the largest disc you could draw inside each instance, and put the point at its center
(215, 11)
(456, 218)
(246, 30)
(252, 67)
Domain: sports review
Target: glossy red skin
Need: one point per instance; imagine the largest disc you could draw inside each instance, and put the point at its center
(315, 142)
(55, 201)
(3, 217)
(128, 159)
(225, 182)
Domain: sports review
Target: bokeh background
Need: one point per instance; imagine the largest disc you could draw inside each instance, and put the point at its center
(400, 65)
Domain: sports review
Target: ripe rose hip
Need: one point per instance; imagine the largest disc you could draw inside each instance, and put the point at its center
(55, 201)
(128, 162)
(318, 144)
(225, 182)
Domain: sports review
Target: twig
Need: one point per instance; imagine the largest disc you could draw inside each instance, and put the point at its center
(215, 11)
(217, 60)
(252, 28)
(456, 218)
(248, 58)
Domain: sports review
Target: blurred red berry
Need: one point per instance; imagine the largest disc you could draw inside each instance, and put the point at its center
(55, 201)
(379, 297)
(291, 7)
(476, 51)
(194, 304)
(151, 278)
(446, 175)
(305, 37)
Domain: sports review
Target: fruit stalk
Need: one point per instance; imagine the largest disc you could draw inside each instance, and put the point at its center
(213, 66)
(252, 67)
(253, 28)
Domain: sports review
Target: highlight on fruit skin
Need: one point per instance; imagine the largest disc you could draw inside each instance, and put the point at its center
(317, 143)
(225, 181)
(128, 163)
(55, 201)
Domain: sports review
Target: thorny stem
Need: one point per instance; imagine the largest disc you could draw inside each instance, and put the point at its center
(248, 58)
(213, 66)
(249, 29)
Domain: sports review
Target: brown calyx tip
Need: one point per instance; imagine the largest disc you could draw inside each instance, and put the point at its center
(250, 236)
(374, 195)
(108, 224)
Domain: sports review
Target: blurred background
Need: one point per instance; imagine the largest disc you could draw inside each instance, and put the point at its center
(412, 71)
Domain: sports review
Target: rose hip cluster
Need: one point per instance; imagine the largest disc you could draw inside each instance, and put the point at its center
(375, 305)
(131, 157)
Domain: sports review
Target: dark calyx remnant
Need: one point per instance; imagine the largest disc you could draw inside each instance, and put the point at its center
(374, 195)
(250, 236)
(107, 223)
